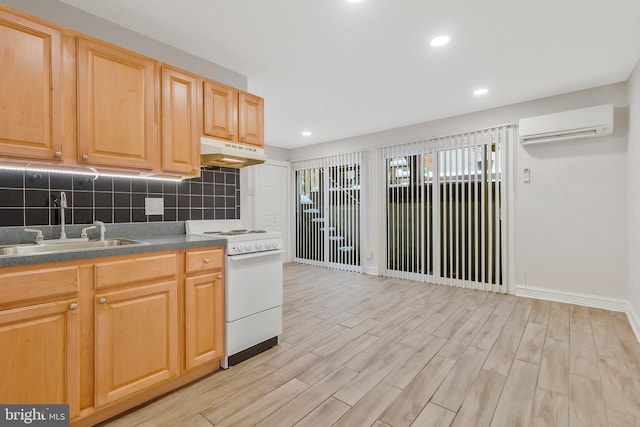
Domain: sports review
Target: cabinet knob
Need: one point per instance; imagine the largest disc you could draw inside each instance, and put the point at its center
(73, 306)
(219, 276)
(85, 157)
(231, 135)
(57, 154)
(243, 137)
(102, 301)
(207, 260)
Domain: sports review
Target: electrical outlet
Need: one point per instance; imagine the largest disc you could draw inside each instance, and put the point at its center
(153, 206)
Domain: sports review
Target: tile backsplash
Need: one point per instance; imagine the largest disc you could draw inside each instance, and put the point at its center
(29, 198)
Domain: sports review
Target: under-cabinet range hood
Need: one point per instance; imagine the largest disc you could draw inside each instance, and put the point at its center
(214, 152)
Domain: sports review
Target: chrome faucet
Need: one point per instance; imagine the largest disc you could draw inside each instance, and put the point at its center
(85, 235)
(63, 206)
(102, 228)
(39, 235)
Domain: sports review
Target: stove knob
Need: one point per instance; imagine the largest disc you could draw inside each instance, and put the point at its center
(275, 245)
(247, 247)
(237, 248)
(259, 246)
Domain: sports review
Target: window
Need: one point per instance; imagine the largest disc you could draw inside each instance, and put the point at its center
(328, 212)
(442, 206)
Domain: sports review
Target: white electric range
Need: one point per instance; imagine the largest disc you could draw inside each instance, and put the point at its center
(253, 286)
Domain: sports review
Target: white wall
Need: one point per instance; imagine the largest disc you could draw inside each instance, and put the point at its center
(276, 153)
(570, 222)
(634, 192)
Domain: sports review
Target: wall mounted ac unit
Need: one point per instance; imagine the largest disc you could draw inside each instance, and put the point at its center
(574, 124)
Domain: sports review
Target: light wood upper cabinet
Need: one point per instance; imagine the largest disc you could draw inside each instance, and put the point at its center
(220, 110)
(116, 107)
(233, 115)
(136, 340)
(31, 99)
(180, 123)
(66, 98)
(250, 119)
(40, 354)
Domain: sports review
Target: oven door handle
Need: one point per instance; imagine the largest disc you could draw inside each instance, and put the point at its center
(254, 255)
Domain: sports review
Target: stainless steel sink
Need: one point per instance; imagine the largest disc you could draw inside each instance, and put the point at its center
(30, 249)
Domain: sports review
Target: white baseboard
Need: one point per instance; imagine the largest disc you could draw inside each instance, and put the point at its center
(588, 300)
(373, 271)
(634, 320)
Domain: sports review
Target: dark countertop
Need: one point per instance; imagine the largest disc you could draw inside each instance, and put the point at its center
(154, 244)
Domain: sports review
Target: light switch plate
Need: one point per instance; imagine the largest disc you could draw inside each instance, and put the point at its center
(526, 175)
(153, 206)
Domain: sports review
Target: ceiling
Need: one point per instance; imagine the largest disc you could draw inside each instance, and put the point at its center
(340, 69)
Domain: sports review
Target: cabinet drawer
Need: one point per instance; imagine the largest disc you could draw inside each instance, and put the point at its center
(41, 283)
(138, 269)
(210, 259)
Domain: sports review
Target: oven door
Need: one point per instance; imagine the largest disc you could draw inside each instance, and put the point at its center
(253, 283)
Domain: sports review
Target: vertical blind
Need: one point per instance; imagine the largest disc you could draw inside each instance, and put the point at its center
(328, 203)
(443, 204)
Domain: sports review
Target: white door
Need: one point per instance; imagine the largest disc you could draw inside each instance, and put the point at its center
(271, 203)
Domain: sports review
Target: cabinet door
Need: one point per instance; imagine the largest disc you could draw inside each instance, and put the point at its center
(204, 319)
(116, 107)
(180, 123)
(251, 119)
(220, 111)
(31, 101)
(136, 340)
(39, 356)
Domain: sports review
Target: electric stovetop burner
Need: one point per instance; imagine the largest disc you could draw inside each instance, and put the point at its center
(235, 232)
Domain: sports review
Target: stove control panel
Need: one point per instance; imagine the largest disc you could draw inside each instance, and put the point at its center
(250, 246)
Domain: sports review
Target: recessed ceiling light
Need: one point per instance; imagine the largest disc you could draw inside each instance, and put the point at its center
(481, 91)
(306, 133)
(440, 41)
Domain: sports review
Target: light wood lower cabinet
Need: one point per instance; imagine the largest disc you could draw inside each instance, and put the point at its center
(136, 339)
(107, 334)
(39, 336)
(204, 306)
(204, 319)
(39, 354)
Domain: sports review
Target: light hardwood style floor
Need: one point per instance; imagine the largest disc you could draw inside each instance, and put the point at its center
(360, 350)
